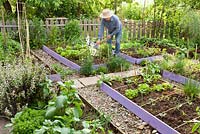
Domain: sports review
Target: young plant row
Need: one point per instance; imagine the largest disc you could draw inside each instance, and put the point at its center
(145, 89)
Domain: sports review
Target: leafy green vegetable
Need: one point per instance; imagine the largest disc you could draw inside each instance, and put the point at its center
(130, 93)
(27, 121)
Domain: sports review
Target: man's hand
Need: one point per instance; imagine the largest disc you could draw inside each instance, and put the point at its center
(98, 42)
(109, 37)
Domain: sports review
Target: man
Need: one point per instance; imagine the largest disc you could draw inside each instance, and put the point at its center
(114, 26)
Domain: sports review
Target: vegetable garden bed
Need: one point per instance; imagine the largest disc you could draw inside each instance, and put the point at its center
(104, 64)
(170, 106)
(149, 51)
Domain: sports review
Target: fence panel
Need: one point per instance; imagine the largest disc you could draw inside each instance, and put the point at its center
(133, 29)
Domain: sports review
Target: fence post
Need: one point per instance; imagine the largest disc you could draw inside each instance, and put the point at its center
(138, 37)
(143, 28)
(85, 27)
(153, 29)
(161, 29)
(133, 26)
(148, 24)
(172, 30)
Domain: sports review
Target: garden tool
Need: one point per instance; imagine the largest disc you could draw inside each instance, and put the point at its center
(92, 46)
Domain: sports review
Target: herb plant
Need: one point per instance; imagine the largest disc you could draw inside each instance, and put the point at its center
(19, 82)
(27, 121)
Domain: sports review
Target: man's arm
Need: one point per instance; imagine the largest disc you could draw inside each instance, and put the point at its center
(117, 27)
(101, 30)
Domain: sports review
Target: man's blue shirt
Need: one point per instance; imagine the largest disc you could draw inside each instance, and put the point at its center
(114, 26)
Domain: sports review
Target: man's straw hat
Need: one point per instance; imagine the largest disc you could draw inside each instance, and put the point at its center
(106, 13)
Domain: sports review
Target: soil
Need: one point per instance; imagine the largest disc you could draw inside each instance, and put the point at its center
(132, 52)
(186, 129)
(177, 116)
(191, 53)
(165, 103)
(169, 50)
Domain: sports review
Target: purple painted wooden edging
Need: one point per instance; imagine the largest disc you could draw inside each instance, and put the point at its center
(128, 58)
(54, 77)
(138, 60)
(178, 78)
(61, 59)
(139, 111)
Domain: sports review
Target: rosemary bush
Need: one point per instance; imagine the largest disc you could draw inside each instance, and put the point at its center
(19, 85)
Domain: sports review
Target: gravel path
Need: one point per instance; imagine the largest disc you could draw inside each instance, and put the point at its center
(50, 61)
(121, 117)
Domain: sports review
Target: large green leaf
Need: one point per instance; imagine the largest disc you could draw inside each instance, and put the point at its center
(66, 131)
(50, 112)
(195, 127)
(60, 101)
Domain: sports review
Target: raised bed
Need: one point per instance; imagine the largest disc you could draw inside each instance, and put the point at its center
(66, 61)
(177, 78)
(70, 63)
(139, 60)
(163, 110)
(139, 111)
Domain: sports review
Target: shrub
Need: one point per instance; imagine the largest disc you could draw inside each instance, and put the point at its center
(72, 32)
(38, 35)
(54, 36)
(19, 84)
(8, 51)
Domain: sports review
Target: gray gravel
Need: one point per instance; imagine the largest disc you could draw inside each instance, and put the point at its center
(121, 117)
(50, 61)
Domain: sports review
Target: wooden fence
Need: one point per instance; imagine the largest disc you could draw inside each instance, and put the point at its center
(131, 29)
